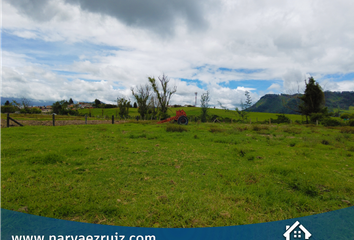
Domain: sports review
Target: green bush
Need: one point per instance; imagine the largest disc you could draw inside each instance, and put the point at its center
(345, 116)
(259, 128)
(214, 117)
(35, 110)
(8, 109)
(281, 119)
(318, 117)
(330, 122)
(351, 123)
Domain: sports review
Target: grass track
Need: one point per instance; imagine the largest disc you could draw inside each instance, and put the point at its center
(212, 175)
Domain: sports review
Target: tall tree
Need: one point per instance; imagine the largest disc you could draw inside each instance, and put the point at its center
(163, 96)
(313, 100)
(142, 94)
(152, 106)
(123, 105)
(71, 101)
(242, 113)
(25, 104)
(248, 102)
(7, 103)
(204, 106)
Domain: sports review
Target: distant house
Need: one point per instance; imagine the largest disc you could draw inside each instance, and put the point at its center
(85, 105)
(46, 109)
(297, 231)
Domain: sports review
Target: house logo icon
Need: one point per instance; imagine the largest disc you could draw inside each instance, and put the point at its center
(297, 231)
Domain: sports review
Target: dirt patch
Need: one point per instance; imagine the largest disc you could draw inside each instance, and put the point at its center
(57, 123)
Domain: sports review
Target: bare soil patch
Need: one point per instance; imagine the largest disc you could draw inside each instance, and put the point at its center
(57, 122)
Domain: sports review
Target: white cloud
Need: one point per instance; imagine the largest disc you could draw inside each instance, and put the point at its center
(284, 39)
(275, 86)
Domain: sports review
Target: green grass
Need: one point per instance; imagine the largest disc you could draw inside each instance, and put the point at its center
(145, 175)
(96, 113)
(195, 111)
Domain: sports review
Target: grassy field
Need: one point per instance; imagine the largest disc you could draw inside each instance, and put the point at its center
(201, 175)
(99, 113)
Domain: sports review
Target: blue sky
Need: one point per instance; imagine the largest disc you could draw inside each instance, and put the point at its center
(53, 50)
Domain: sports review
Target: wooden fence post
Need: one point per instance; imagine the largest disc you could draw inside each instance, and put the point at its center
(112, 119)
(53, 119)
(85, 118)
(8, 120)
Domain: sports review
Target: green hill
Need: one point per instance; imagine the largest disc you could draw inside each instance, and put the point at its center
(284, 103)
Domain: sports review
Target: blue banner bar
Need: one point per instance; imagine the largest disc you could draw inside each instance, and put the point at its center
(331, 225)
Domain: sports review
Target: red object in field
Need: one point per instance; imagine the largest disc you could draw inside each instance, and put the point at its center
(180, 118)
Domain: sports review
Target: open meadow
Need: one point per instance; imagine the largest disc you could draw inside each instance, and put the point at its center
(143, 174)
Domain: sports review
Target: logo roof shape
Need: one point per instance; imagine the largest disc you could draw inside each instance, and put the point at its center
(290, 229)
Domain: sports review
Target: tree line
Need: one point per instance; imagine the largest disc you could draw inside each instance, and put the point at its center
(23, 106)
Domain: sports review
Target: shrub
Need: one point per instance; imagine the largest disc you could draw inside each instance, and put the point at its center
(317, 117)
(281, 119)
(351, 123)
(345, 116)
(347, 130)
(227, 120)
(259, 128)
(325, 142)
(330, 122)
(176, 128)
(35, 110)
(8, 109)
(214, 117)
(215, 129)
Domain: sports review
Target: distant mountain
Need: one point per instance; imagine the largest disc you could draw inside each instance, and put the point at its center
(33, 102)
(284, 103)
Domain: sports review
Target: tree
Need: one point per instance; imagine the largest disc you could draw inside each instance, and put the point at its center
(71, 101)
(223, 107)
(142, 94)
(248, 102)
(204, 106)
(7, 103)
(16, 104)
(25, 104)
(123, 105)
(96, 103)
(60, 107)
(135, 105)
(242, 113)
(313, 100)
(152, 107)
(164, 96)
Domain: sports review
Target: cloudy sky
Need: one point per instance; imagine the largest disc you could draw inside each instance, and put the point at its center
(87, 49)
